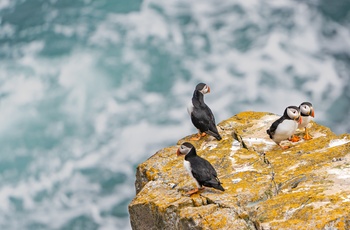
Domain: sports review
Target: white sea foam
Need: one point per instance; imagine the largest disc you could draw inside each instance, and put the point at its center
(4, 4)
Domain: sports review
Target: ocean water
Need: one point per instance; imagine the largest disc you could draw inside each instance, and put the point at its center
(90, 89)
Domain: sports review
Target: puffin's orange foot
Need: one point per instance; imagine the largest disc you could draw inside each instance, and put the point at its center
(196, 138)
(203, 134)
(294, 138)
(307, 137)
(193, 191)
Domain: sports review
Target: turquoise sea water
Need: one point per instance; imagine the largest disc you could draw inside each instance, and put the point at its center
(89, 89)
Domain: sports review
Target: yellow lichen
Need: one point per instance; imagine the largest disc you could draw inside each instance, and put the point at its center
(284, 189)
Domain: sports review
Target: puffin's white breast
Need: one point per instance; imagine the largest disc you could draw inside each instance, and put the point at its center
(305, 122)
(189, 170)
(285, 130)
(190, 108)
(188, 167)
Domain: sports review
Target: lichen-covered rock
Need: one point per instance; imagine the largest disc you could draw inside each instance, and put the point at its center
(304, 187)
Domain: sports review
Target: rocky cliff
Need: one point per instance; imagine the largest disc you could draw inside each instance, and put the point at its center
(304, 187)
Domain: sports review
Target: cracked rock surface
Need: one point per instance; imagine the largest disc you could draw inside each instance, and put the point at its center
(304, 187)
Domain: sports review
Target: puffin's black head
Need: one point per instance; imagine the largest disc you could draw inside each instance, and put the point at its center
(184, 149)
(293, 113)
(306, 109)
(203, 88)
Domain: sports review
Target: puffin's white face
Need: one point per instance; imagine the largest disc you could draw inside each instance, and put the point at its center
(293, 114)
(305, 109)
(206, 89)
(183, 150)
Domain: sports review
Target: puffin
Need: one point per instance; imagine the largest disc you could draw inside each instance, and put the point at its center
(199, 168)
(284, 127)
(307, 113)
(201, 115)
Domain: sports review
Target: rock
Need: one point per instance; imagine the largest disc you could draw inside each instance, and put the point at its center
(304, 187)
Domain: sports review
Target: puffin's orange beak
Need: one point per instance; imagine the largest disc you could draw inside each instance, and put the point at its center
(178, 153)
(208, 89)
(312, 112)
(300, 120)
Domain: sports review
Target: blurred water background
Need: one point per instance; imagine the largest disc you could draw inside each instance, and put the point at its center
(90, 89)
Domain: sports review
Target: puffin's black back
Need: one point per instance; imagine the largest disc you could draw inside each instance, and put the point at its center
(202, 117)
(203, 171)
(273, 127)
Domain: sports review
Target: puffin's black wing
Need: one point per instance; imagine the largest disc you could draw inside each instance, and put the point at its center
(210, 114)
(200, 118)
(212, 125)
(273, 127)
(205, 173)
(203, 119)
